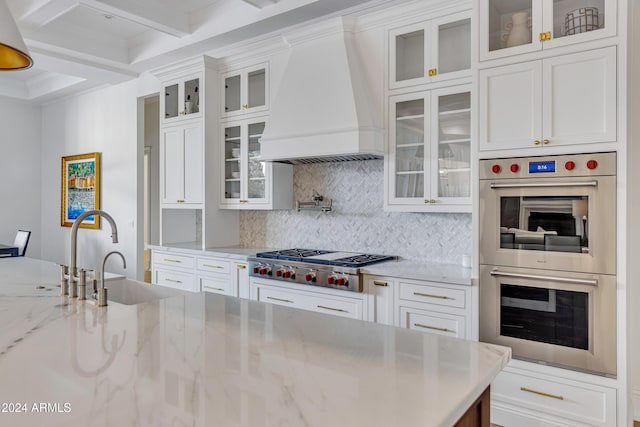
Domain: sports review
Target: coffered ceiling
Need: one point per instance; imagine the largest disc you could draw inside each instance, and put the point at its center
(80, 44)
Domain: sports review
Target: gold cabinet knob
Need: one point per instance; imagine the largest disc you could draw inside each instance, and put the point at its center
(546, 36)
(432, 201)
(245, 106)
(427, 201)
(546, 141)
(537, 142)
(432, 72)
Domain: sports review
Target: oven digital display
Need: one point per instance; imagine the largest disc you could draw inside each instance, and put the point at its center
(542, 167)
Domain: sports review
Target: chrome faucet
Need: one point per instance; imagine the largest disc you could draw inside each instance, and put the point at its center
(73, 273)
(102, 292)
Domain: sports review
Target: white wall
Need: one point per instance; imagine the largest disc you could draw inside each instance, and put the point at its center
(104, 120)
(152, 140)
(20, 152)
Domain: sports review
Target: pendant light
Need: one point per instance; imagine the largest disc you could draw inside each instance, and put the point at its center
(13, 51)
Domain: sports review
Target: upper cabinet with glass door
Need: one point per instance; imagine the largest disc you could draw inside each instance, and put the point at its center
(245, 91)
(429, 162)
(181, 99)
(430, 51)
(511, 27)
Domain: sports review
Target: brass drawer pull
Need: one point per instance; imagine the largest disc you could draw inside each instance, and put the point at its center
(545, 141)
(432, 296)
(241, 266)
(212, 266)
(180, 201)
(536, 142)
(173, 281)
(172, 260)
(333, 309)
(278, 299)
(378, 283)
(215, 289)
(541, 393)
(420, 325)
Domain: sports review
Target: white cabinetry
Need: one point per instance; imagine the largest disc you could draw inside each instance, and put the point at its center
(245, 91)
(182, 163)
(430, 51)
(527, 398)
(509, 27)
(428, 168)
(173, 270)
(181, 99)
(379, 296)
(338, 303)
(247, 182)
(433, 307)
(564, 100)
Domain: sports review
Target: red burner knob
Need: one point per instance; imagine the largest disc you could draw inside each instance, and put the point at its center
(286, 274)
(496, 168)
(263, 271)
(570, 165)
(592, 164)
(331, 280)
(342, 281)
(256, 270)
(310, 277)
(278, 273)
(514, 168)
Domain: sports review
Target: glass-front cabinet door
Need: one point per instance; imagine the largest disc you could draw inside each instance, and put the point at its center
(181, 99)
(245, 176)
(246, 90)
(430, 51)
(510, 27)
(451, 145)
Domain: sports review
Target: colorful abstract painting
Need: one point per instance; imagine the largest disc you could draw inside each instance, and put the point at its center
(80, 189)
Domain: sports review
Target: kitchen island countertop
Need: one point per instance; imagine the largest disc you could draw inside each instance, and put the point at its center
(204, 359)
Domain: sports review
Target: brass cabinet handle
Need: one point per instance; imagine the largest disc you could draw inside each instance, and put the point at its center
(179, 201)
(427, 201)
(243, 201)
(545, 37)
(378, 283)
(536, 142)
(432, 201)
(240, 266)
(420, 325)
(245, 106)
(172, 260)
(432, 296)
(212, 266)
(181, 113)
(278, 299)
(215, 289)
(331, 308)
(432, 72)
(545, 141)
(173, 281)
(541, 393)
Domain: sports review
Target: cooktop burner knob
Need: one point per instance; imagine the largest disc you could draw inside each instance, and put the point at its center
(286, 274)
(331, 280)
(256, 270)
(514, 168)
(570, 165)
(310, 277)
(592, 164)
(279, 273)
(342, 281)
(496, 168)
(265, 271)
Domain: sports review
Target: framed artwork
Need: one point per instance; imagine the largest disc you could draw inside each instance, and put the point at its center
(80, 189)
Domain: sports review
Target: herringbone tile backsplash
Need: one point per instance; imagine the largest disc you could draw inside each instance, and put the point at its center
(357, 222)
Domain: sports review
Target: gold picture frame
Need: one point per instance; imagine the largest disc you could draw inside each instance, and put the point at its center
(80, 189)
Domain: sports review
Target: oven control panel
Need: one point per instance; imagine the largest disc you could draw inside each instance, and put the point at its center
(293, 272)
(594, 164)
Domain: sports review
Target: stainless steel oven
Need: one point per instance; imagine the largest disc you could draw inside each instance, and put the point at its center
(548, 259)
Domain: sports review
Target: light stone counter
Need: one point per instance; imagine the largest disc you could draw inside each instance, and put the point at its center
(192, 248)
(205, 359)
(404, 269)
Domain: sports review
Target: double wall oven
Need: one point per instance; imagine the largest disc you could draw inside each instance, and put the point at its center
(548, 259)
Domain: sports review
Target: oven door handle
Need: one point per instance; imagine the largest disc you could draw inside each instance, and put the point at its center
(545, 184)
(592, 282)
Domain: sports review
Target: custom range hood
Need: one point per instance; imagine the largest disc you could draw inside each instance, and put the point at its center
(323, 110)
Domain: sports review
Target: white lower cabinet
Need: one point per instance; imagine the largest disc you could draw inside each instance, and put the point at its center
(533, 399)
(432, 321)
(321, 301)
(379, 297)
(175, 279)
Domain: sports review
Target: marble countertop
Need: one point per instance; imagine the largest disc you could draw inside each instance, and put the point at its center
(406, 269)
(205, 359)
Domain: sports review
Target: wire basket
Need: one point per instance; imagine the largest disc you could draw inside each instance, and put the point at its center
(581, 20)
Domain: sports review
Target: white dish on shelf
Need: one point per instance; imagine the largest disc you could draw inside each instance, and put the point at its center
(235, 195)
(235, 174)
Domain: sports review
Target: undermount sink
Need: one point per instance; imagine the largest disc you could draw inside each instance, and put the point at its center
(130, 292)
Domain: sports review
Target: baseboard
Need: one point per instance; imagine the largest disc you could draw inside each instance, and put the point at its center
(635, 396)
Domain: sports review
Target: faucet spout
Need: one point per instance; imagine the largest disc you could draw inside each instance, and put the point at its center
(74, 240)
(102, 292)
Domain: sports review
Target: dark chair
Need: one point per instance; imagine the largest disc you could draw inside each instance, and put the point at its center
(22, 240)
(562, 243)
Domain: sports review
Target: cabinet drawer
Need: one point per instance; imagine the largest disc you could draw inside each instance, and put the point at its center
(217, 286)
(437, 323)
(213, 265)
(176, 280)
(432, 294)
(169, 259)
(584, 404)
(337, 306)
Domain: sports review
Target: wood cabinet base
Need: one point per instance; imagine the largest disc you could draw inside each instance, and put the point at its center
(478, 414)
